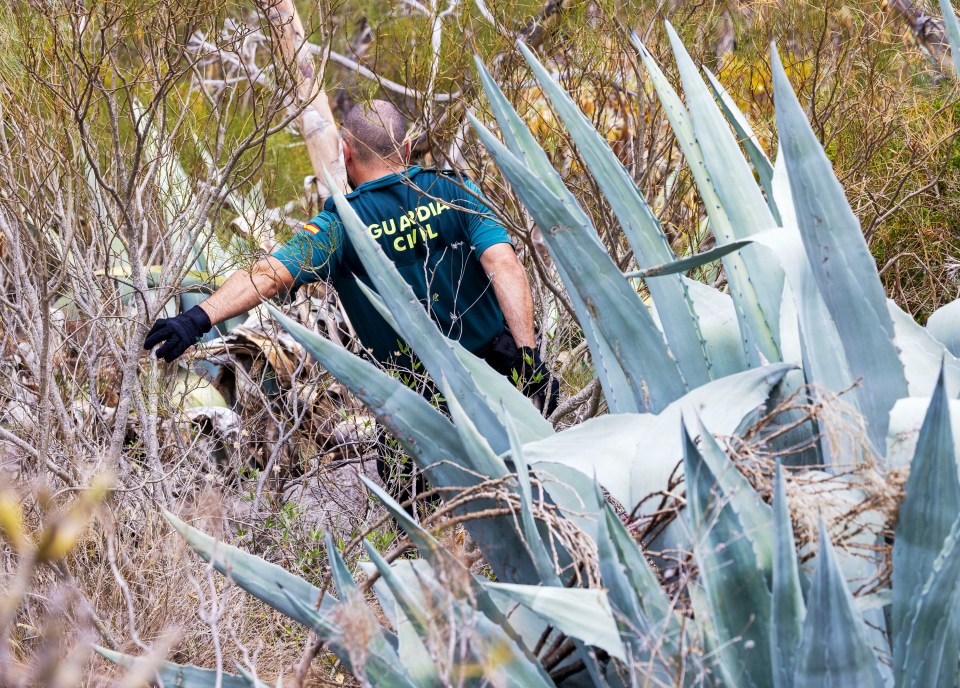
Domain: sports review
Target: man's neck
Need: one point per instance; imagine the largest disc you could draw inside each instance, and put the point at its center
(374, 173)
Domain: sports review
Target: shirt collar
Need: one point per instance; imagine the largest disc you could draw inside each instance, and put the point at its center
(378, 183)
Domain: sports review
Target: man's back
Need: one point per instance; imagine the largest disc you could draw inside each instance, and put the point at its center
(434, 231)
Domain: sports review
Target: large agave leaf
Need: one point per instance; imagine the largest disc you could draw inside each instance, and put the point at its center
(582, 613)
(732, 578)
(834, 652)
(532, 538)
(652, 642)
(501, 394)
(736, 188)
(717, 314)
(640, 226)
(929, 508)
(427, 437)
(486, 649)
(265, 581)
(944, 325)
(633, 455)
(612, 306)
(824, 363)
(179, 675)
(416, 327)
(787, 609)
(755, 516)
(953, 32)
(756, 326)
(616, 387)
(932, 644)
(921, 354)
(740, 124)
(529, 162)
(840, 260)
(906, 419)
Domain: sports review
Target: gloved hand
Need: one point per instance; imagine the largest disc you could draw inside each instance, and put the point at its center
(178, 334)
(523, 366)
(535, 380)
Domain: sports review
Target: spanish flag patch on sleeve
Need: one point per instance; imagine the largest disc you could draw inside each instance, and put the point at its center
(312, 228)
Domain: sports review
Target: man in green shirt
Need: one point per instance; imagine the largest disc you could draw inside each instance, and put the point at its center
(440, 235)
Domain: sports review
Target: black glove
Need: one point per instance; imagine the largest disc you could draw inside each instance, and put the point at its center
(523, 366)
(178, 334)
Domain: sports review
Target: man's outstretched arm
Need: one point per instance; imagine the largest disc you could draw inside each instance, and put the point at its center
(512, 290)
(242, 291)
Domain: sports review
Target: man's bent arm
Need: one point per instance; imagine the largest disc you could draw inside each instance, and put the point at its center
(512, 290)
(245, 289)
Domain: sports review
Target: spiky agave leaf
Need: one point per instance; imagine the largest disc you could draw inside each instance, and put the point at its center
(834, 651)
(180, 675)
(639, 224)
(626, 324)
(741, 125)
(930, 505)
(265, 581)
(756, 326)
(618, 390)
(734, 584)
(736, 189)
(841, 262)
(787, 610)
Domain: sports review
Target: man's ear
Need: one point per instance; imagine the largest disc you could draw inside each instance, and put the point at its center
(347, 150)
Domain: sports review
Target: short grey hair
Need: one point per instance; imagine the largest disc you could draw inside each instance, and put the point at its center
(376, 131)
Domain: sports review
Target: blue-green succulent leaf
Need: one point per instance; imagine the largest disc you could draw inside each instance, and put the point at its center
(265, 581)
(834, 652)
(930, 505)
(841, 262)
(640, 226)
(612, 306)
(787, 611)
(734, 583)
(749, 140)
(180, 675)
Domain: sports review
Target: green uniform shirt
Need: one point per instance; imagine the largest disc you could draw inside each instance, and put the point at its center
(433, 230)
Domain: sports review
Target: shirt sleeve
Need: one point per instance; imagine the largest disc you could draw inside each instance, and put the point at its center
(314, 252)
(483, 229)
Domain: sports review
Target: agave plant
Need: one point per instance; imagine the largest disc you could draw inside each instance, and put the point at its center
(805, 308)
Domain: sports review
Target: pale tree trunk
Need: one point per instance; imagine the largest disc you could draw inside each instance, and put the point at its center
(316, 122)
(928, 31)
